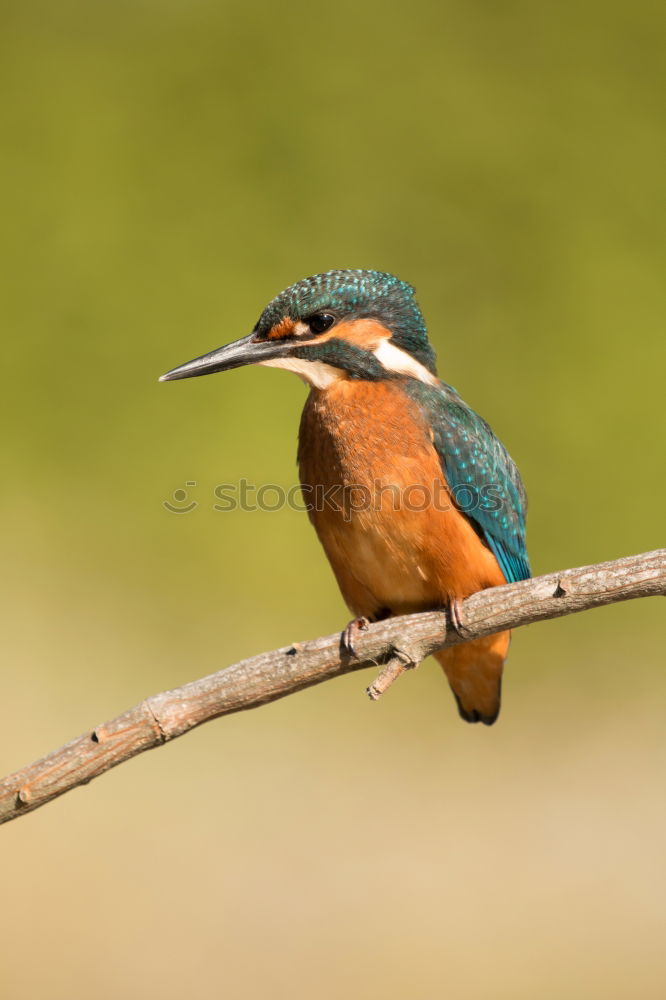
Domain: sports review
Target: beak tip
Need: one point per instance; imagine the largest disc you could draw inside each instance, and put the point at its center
(176, 373)
(234, 355)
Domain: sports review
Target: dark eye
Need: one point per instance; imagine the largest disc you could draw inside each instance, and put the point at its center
(321, 322)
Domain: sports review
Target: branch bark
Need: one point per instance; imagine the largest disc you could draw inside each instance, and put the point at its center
(395, 643)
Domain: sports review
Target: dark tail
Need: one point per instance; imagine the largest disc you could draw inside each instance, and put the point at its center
(474, 671)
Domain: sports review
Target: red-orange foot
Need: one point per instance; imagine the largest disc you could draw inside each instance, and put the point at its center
(355, 626)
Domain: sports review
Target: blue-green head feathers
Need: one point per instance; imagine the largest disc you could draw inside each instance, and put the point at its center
(357, 294)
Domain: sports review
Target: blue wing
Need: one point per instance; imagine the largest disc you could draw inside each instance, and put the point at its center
(484, 481)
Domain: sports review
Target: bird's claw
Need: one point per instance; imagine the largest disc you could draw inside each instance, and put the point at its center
(355, 626)
(455, 615)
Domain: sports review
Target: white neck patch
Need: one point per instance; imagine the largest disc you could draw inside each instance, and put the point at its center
(315, 373)
(394, 359)
(321, 375)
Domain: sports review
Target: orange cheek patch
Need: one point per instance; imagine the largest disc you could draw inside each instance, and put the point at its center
(365, 333)
(283, 329)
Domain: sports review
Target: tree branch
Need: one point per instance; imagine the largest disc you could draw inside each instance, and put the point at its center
(395, 642)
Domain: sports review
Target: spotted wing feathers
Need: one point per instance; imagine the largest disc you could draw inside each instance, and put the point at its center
(483, 479)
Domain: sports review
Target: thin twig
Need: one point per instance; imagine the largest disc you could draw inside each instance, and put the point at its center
(396, 642)
(387, 676)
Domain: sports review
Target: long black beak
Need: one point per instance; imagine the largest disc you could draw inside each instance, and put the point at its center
(246, 351)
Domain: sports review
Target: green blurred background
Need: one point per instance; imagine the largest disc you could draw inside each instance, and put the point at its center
(167, 168)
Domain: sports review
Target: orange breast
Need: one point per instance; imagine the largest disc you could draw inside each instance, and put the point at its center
(380, 503)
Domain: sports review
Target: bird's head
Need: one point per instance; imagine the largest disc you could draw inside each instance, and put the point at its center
(340, 324)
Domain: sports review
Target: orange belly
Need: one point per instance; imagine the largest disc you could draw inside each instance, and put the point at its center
(396, 544)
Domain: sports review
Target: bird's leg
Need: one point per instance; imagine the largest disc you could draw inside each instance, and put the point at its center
(355, 626)
(455, 616)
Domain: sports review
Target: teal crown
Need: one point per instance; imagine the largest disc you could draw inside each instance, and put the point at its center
(356, 294)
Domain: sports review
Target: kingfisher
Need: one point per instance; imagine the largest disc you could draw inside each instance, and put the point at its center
(415, 501)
